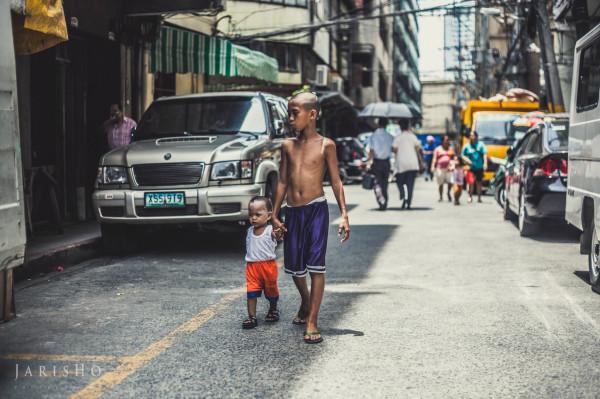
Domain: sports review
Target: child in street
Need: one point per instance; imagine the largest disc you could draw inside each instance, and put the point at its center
(458, 177)
(304, 160)
(261, 267)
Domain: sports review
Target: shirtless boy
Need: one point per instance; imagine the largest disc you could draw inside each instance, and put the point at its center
(304, 160)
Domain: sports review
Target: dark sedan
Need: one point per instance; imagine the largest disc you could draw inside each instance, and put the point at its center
(536, 175)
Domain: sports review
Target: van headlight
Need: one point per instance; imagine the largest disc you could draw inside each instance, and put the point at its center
(231, 170)
(112, 175)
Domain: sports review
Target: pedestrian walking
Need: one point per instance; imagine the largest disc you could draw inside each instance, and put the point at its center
(408, 162)
(303, 162)
(380, 151)
(118, 127)
(440, 167)
(261, 267)
(458, 179)
(474, 154)
(428, 149)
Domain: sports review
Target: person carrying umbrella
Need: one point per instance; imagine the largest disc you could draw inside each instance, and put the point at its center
(409, 161)
(380, 151)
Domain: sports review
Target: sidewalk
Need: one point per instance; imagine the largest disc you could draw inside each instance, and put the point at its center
(45, 252)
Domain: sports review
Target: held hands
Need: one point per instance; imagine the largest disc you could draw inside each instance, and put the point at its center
(344, 230)
(278, 229)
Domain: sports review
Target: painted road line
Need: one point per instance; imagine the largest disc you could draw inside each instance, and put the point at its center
(130, 364)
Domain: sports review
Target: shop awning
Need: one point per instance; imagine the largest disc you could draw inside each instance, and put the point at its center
(183, 51)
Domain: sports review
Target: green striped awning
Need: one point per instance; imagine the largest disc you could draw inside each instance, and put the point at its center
(183, 51)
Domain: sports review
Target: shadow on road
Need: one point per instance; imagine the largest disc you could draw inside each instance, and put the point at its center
(583, 275)
(338, 331)
(554, 232)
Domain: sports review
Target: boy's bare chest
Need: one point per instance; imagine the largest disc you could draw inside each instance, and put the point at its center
(308, 156)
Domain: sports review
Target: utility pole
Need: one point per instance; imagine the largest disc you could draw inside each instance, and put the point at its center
(553, 89)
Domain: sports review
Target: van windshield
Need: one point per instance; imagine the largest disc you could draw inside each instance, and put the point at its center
(206, 115)
(496, 128)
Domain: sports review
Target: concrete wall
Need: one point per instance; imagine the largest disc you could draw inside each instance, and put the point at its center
(248, 17)
(438, 99)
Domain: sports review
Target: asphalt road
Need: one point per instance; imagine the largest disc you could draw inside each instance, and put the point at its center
(439, 301)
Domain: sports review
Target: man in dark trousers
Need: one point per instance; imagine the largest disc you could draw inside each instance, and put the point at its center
(380, 151)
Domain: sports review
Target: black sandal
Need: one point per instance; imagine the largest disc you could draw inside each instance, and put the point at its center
(249, 323)
(272, 316)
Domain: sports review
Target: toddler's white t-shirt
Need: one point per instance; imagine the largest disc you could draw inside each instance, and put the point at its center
(262, 247)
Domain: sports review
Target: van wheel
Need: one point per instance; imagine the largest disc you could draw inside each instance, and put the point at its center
(508, 214)
(594, 259)
(114, 238)
(526, 226)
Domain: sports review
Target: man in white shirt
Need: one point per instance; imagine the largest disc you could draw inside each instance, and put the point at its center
(380, 151)
(407, 148)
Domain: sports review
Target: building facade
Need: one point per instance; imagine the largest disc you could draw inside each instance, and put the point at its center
(440, 99)
(407, 84)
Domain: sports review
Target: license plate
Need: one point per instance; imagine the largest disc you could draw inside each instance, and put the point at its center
(164, 200)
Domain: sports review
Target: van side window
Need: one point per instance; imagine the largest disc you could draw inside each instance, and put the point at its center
(588, 85)
(277, 115)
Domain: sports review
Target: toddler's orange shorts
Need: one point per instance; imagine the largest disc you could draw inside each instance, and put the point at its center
(262, 276)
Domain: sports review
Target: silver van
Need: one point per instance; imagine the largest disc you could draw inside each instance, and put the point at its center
(583, 189)
(193, 159)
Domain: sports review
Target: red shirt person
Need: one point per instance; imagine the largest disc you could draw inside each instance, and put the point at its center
(118, 128)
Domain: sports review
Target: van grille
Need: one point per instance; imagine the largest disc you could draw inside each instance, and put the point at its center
(168, 174)
(228, 207)
(188, 210)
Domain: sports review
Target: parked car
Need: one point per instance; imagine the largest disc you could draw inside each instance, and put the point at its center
(583, 193)
(536, 177)
(352, 158)
(521, 127)
(193, 159)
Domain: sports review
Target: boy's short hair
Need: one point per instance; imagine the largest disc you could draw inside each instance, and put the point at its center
(311, 100)
(264, 199)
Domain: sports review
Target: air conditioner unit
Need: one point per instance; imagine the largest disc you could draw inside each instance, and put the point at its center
(337, 84)
(322, 75)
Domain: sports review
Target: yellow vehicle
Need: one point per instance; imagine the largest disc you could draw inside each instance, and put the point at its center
(493, 121)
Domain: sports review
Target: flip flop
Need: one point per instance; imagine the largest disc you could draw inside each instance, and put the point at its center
(308, 334)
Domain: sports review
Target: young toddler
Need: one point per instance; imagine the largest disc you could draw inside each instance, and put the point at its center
(261, 268)
(458, 178)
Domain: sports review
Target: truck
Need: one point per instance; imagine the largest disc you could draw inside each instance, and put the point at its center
(583, 185)
(194, 159)
(12, 214)
(493, 121)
